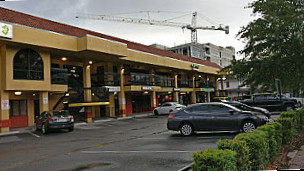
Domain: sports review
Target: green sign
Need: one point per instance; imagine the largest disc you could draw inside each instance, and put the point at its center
(195, 66)
(208, 89)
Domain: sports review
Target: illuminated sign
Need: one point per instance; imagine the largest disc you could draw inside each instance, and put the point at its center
(147, 88)
(195, 67)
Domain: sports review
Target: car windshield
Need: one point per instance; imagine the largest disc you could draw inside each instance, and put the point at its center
(59, 113)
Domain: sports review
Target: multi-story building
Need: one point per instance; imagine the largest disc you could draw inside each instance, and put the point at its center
(46, 65)
(208, 51)
(233, 88)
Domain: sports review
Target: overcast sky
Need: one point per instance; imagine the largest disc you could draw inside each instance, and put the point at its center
(226, 12)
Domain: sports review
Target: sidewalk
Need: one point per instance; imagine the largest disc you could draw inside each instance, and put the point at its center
(22, 130)
(297, 161)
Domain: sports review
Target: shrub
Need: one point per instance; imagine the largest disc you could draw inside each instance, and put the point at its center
(301, 113)
(296, 118)
(273, 149)
(287, 129)
(256, 142)
(242, 152)
(278, 132)
(214, 160)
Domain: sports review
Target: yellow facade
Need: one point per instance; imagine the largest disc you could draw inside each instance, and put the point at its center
(88, 52)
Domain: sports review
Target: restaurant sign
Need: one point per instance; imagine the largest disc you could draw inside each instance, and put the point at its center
(195, 67)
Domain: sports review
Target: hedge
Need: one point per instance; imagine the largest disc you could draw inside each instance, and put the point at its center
(241, 149)
(253, 150)
(214, 160)
(256, 142)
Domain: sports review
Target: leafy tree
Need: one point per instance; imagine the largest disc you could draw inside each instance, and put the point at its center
(274, 45)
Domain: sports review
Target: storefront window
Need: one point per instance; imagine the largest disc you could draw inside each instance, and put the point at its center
(28, 65)
(18, 108)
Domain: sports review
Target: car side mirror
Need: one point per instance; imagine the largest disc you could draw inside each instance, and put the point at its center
(231, 112)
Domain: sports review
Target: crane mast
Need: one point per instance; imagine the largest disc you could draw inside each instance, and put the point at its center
(192, 27)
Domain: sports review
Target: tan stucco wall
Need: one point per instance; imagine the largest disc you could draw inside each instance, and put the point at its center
(11, 84)
(136, 56)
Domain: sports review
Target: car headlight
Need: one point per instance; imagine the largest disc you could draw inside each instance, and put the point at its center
(262, 117)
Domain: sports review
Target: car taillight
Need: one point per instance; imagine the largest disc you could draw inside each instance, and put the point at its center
(171, 116)
(71, 118)
(50, 119)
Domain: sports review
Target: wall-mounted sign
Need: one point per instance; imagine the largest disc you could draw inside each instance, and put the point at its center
(45, 100)
(4, 104)
(195, 67)
(146, 88)
(113, 88)
(176, 89)
(208, 89)
(6, 30)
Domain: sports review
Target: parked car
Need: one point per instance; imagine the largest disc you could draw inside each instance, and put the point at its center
(167, 108)
(270, 102)
(214, 117)
(243, 106)
(54, 120)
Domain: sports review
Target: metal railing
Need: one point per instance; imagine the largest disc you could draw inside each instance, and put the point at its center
(59, 76)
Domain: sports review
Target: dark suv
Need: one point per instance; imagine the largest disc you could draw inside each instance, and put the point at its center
(270, 102)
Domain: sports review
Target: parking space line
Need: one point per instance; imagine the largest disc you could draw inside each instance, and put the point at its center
(35, 135)
(100, 152)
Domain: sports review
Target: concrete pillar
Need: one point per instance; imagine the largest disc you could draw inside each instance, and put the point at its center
(153, 100)
(175, 94)
(87, 89)
(208, 97)
(43, 101)
(121, 95)
(193, 93)
(216, 87)
(4, 112)
(111, 107)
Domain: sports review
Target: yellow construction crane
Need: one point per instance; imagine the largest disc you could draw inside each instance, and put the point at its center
(192, 27)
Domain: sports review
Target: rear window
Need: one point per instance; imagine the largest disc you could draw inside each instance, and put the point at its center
(58, 113)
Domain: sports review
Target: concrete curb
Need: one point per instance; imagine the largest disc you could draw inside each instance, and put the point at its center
(186, 168)
(29, 129)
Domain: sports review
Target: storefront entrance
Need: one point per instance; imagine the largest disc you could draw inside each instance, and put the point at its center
(18, 113)
(141, 103)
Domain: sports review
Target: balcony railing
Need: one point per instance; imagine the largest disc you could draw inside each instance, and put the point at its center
(184, 83)
(204, 84)
(148, 80)
(59, 76)
(106, 79)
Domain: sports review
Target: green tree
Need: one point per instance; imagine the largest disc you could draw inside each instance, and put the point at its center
(274, 45)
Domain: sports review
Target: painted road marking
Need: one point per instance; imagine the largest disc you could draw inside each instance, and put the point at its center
(35, 135)
(99, 152)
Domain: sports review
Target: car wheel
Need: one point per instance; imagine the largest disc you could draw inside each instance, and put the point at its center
(35, 127)
(71, 129)
(186, 129)
(248, 126)
(155, 112)
(44, 129)
(288, 107)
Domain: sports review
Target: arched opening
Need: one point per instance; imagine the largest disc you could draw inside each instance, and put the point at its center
(28, 65)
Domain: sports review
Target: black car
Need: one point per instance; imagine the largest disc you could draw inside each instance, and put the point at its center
(243, 106)
(214, 117)
(54, 120)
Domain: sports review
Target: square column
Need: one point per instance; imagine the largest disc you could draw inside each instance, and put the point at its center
(4, 112)
(43, 101)
(153, 100)
(193, 93)
(175, 94)
(122, 95)
(87, 89)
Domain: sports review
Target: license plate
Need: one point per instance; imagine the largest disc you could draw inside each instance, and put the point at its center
(61, 120)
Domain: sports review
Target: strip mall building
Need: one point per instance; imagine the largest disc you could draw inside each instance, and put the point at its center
(46, 65)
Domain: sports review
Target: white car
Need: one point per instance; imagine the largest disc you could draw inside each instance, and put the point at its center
(167, 108)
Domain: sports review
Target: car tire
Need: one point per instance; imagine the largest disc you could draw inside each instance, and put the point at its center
(155, 112)
(35, 127)
(44, 129)
(186, 129)
(248, 126)
(71, 129)
(288, 107)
